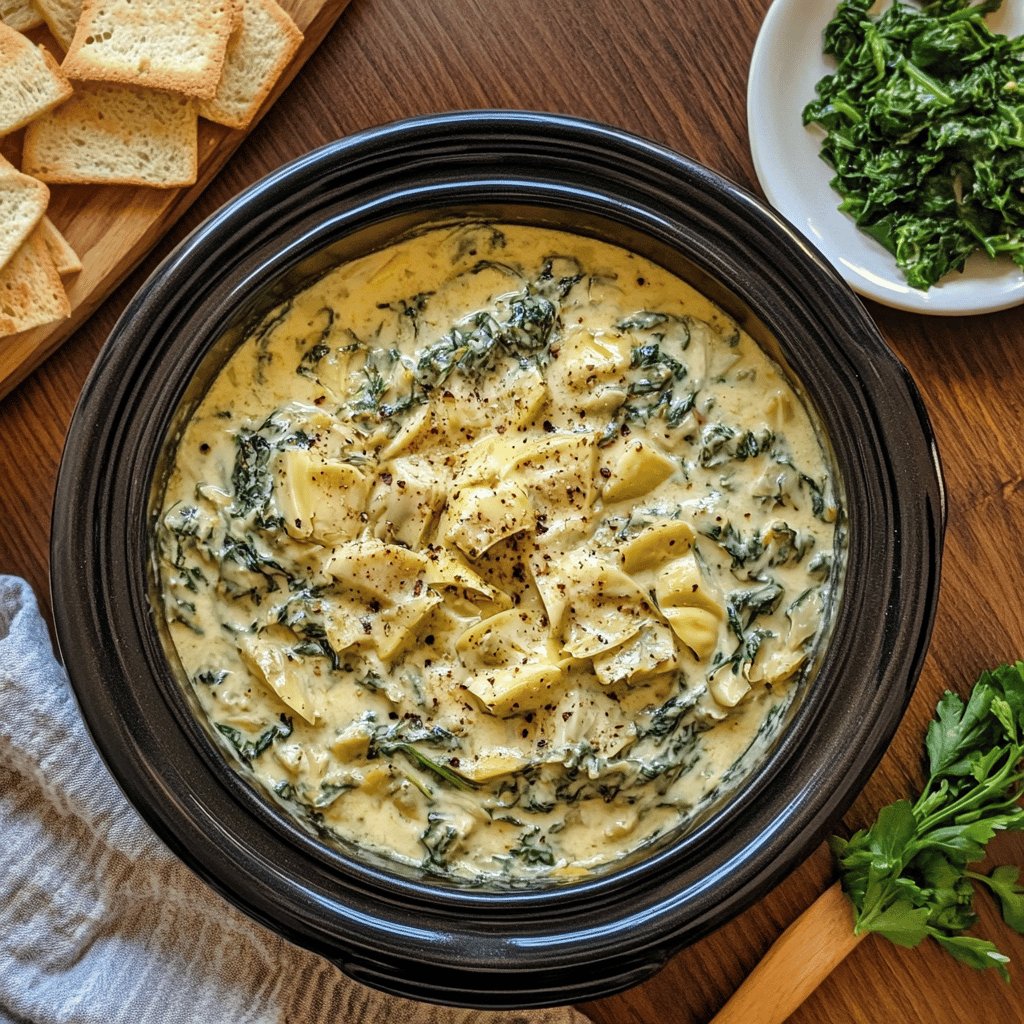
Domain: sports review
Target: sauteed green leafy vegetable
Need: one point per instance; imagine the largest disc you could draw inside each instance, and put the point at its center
(924, 122)
(907, 875)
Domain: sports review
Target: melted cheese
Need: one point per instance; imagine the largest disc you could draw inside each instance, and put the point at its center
(498, 552)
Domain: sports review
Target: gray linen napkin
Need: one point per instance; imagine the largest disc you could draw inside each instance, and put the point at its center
(100, 923)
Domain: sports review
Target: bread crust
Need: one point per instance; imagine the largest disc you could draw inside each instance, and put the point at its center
(147, 44)
(61, 17)
(115, 134)
(31, 82)
(240, 96)
(31, 291)
(23, 201)
(20, 14)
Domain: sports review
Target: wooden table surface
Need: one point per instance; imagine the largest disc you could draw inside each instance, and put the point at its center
(676, 73)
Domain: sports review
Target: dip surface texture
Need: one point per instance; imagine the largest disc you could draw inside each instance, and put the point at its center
(498, 552)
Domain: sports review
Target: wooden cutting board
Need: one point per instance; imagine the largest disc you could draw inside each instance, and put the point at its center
(112, 227)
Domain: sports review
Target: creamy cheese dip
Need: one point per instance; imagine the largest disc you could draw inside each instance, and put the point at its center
(498, 552)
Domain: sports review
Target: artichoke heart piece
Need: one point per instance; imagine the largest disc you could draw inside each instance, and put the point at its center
(271, 665)
(728, 687)
(661, 543)
(386, 572)
(640, 469)
(642, 657)
(393, 626)
(591, 364)
(492, 764)
(680, 584)
(694, 615)
(387, 596)
(558, 471)
(447, 571)
(404, 501)
(509, 638)
(698, 628)
(415, 426)
(386, 627)
(551, 585)
(486, 460)
(506, 691)
(604, 609)
(776, 666)
(477, 518)
(523, 392)
(353, 741)
(319, 500)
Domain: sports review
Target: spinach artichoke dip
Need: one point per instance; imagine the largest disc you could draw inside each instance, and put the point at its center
(498, 553)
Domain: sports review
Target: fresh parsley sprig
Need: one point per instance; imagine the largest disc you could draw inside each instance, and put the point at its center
(907, 875)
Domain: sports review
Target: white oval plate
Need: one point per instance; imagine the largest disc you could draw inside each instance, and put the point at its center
(786, 63)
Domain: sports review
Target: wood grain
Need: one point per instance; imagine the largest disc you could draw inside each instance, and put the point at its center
(675, 73)
(113, 227)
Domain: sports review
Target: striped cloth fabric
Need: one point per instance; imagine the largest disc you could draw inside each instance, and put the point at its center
(100, 923)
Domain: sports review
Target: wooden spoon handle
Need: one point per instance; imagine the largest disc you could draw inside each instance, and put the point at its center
(801, 958)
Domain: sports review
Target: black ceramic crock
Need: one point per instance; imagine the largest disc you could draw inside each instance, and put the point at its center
(384, 926)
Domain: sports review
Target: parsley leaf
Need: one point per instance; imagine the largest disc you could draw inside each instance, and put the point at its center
(1010, 893)
(907, 875)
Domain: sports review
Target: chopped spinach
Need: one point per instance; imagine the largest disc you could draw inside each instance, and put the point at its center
(720, 443)
(249, 749)
(924, 123)
(402, 737)
(438, 838)
(251, 477)
(532, 849)
(211, 677)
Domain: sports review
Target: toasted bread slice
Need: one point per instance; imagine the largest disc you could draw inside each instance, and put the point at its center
(20, 14)
(260, 48)
(114, 134)
(61, 17)
(177, 45)
(65, 259)
(30, 81)
(31, 292)
(22, 205)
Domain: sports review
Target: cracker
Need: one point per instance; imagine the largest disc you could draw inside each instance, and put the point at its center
(114, 134)
(30, 81)
(61, 17)
(64, 257)
(31, 292)
(20, 14)
(23, 202)
(258, 52)
(177, 45)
